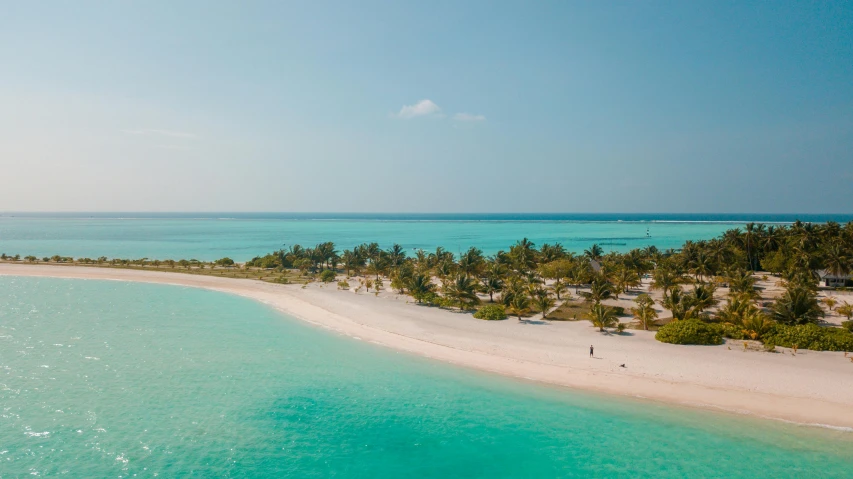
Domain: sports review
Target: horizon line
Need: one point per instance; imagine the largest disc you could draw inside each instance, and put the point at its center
(242, 212)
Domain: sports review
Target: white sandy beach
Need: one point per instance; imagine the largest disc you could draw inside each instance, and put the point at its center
(809, 387)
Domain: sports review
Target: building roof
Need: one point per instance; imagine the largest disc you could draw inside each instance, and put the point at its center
(826, 275)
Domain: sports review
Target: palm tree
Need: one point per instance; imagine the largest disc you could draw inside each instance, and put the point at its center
(325, 252)
(420, 286)
(401, 276)
(637, 261)
(558, 288)
(396, 256)
(836, 260)
(440, 256)
(736, 309)
(666, 278)
(701, 299)
(491, 285)
(471, 262)
(445, 269)
(519, 305)
(749, 239)
(594, 252)
(580, 274)
(599, 290)
(623, 279)
(523, 255)
(645, 313)
(702, 265)
(845, 309)
(543, 301)
(463, 290)
(676, 303)
(756, 324)
(602, 316)
(352, 261)
(798, 305)
(549, 253)
(741, 283)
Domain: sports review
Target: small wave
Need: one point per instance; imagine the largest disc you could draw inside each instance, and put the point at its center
(38, 434)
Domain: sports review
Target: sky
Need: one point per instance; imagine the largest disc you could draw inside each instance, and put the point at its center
(429, 106)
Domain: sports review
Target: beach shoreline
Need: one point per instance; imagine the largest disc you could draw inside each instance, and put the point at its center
(811, 388)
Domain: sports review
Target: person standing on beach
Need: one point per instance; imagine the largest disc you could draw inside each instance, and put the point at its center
(591, 350)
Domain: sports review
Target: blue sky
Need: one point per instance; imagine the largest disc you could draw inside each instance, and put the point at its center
(427, 106)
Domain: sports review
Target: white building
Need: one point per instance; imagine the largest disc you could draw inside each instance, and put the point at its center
(833, 281)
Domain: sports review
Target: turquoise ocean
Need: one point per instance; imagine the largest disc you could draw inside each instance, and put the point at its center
(116, 379)
(113, 379)
(241, 236)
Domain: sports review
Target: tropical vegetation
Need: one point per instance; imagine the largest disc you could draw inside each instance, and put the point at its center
(706, 288)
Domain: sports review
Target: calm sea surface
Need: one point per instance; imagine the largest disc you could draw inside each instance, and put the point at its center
(210, 236)
(114, 379)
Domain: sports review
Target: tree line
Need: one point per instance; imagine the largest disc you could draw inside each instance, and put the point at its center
(527, 277)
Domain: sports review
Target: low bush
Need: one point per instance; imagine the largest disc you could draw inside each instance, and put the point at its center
(732, 331)
(327, 276)
(434, 299)
(810, 336)
(343, 285)
(224, 262)
(848, 325)
(690, 331)
(619, 310)
(491, 312)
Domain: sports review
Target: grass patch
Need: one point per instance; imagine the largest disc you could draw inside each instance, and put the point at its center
(570, 311)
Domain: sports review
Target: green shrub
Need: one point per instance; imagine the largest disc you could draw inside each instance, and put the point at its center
(690, 331)
(732, 331)
(327, 276)
(343, 285)
(848, 325)
(619, 310)
(434, 299)
(224, 262)
(810, 336)
(491, 312)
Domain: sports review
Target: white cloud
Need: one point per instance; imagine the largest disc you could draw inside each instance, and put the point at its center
(468, 117)
(421, 108)
(155, 132)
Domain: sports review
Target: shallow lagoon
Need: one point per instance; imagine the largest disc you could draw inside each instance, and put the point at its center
(101, 378)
